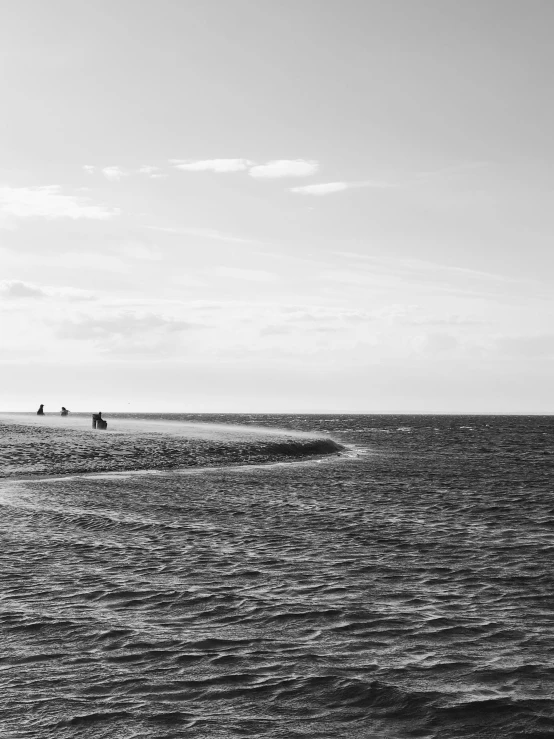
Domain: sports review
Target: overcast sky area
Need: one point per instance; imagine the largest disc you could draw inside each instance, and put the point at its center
(277, 205)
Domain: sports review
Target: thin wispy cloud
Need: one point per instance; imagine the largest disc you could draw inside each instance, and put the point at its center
(114, 173)
(284, 168)
(51, 203)
(154, 173)
(280, 169)
(323, 189)
(425, 277)
(274, 169)
(212, 165)
(327, 188)
(421, 265)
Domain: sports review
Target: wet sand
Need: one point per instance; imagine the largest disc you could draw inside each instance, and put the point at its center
(52, 445)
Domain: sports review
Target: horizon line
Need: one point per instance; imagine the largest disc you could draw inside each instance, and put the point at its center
(300, 412)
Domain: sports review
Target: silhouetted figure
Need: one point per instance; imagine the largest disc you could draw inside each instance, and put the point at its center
(40, 411)
(98, 422)
(64, 411)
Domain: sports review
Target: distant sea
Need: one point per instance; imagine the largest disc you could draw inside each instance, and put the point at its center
(404, 588)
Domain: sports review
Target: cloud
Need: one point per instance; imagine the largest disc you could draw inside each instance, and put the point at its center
(16, 289)
(326, 188)
(274, 169)
(49, 202)
(271, 170)
(212, 165)
(430, 275)
(120, 325)
(114, 173)
(284, 168)
(129, 334)
(152, 172)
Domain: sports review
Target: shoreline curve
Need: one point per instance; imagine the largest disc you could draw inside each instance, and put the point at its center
(44, 449)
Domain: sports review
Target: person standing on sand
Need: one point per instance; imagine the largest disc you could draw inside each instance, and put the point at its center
(40, 411)
(98, 422)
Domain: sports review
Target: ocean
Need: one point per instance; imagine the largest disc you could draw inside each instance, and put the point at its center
(400, 587)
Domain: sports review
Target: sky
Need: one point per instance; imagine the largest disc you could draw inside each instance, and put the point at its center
(303, 206)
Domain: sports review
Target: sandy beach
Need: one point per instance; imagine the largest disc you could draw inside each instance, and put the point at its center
(52, 445)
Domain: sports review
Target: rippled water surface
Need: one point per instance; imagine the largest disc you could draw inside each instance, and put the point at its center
(402, 590)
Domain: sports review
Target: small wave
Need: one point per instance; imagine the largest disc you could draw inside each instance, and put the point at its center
(89, 719)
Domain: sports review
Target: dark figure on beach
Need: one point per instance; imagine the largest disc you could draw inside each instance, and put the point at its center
(64, 411)
(98, 422)
(40, 411)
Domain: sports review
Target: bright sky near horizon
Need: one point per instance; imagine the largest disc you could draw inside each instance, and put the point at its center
(277, 205)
